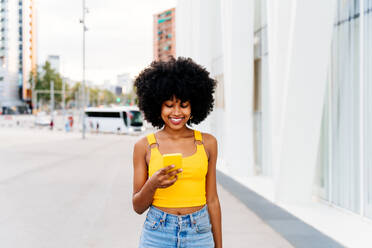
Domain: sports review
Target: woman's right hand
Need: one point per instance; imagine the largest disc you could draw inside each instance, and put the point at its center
(164, 178)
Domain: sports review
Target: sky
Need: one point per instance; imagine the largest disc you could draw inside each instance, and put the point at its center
(118, 40)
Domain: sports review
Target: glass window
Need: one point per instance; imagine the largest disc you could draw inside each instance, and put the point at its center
(345, 107)
(104, 114)
(260, 78)
(367, 106)
(135, 118)
(340, 135)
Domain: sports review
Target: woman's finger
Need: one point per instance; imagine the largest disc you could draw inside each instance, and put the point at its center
(168, 183)
(173, 173)
(165, 169)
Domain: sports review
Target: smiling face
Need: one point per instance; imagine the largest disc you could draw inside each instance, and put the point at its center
(175, 113)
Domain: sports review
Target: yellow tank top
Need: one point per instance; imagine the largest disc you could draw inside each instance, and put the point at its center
(189, 189)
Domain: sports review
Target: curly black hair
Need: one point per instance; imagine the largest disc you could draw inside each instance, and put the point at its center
(180, 77)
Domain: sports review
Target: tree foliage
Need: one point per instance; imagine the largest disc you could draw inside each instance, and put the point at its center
(73, 95)
(44, 79)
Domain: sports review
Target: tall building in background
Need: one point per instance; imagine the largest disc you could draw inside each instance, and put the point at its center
(165, 34)
(54, 61)
(124, 80)
(17, 51)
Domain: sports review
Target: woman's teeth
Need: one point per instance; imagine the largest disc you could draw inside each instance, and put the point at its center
(176, 120)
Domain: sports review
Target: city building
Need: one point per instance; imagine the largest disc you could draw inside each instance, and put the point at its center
(54, 61)
(293, 114)
(106, 85)
(17, 51)
(165, 34)
(125, 82)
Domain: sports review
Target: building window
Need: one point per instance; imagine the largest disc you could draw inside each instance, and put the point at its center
(347, 118)
(367, 109)
(260, 78)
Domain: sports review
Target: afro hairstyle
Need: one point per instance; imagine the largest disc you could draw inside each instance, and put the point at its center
(180, 77)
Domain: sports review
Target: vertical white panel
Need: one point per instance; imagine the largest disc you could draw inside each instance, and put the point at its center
(280, 14)
(304, 88)
(323, 164)
(237, 33)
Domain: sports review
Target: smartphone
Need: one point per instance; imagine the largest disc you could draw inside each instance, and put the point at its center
(173, 158)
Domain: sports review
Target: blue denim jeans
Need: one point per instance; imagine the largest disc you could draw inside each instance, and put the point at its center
(163, 230)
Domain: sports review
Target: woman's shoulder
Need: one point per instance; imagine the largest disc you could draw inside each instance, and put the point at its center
(210, 144)
(208, 139)
(141, 143)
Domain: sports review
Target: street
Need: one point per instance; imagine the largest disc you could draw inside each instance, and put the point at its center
(57, 190)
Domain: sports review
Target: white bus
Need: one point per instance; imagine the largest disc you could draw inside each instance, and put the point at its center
(125, 119)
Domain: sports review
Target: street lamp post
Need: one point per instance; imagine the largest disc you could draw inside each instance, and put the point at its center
(82, 21)
(52, 99)
(64, 99)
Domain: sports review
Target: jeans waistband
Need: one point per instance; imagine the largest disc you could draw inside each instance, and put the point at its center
(156, 213)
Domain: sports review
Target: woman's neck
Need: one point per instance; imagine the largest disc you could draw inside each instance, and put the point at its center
(175, 134)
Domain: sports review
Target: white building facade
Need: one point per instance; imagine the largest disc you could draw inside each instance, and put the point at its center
(17, 50)
(55, 62)
(293, 112)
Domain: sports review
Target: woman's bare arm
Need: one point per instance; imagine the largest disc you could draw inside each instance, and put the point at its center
(144, 188)
(143, 191)
(213, 202)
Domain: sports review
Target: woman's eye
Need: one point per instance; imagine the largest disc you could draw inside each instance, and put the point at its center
(184, 106)
(168, 106)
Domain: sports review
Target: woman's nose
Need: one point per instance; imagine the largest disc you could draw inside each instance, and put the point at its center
(177, 109)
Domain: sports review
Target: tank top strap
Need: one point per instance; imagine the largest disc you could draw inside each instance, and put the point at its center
(198, 136)
(151, 139)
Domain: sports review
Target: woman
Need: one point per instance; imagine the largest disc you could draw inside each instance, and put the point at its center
(184, 209)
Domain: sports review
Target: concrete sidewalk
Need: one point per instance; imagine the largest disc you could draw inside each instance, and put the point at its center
(243, 228)
(57, 190)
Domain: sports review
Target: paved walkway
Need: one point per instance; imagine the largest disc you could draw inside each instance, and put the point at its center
(57, 190)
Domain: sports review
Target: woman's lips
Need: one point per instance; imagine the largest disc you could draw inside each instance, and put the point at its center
(176, 121)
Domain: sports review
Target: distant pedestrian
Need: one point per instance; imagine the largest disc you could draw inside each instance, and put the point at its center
(97, 127)
(183, 202)
(71, 121)
(67, 126)
(51, 124)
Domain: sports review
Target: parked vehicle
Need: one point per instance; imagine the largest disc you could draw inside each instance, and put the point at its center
(42, 119)
(15, 110)
(125, 119)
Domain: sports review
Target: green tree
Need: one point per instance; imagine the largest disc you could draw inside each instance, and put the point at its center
(108, 97)
(94, 94)
(43, 82)
(73, 94)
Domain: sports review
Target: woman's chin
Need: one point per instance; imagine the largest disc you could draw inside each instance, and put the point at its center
(176, 126)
